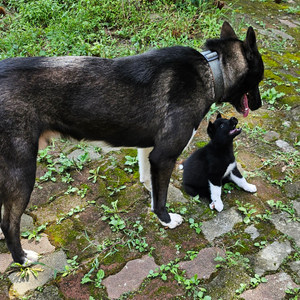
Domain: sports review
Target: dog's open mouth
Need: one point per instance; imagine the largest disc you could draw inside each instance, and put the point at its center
(235, 131)
(245, 106)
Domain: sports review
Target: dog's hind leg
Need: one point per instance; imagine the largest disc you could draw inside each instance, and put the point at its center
(16, 186)
(144, 167)
(161, 170)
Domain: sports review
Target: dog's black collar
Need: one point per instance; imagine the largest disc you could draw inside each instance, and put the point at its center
(213, 60)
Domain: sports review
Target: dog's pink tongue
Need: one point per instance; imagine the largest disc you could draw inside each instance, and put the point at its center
(245, 106)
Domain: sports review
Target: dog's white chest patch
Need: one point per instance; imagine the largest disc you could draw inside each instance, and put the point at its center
(229, 169)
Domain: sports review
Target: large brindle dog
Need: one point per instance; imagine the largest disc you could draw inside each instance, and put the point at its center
(153, 101)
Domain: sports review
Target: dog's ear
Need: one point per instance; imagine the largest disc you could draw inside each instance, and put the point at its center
(219, 116)
(227, 31)
(250, 41)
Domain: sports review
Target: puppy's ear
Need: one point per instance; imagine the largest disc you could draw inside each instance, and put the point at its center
(219, 116)
(210, 128)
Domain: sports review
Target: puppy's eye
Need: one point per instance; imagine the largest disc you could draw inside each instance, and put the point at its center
(222, 126)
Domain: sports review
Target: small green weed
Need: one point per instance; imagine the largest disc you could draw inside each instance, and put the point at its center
(196, 226)
(248, 210)
(271, 96)
(256, 280)
(99, 275)
(34, 234)
(72, 267)
(130, 161)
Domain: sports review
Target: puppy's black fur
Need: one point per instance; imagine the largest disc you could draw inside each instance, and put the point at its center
(208, 167)
(155, 99)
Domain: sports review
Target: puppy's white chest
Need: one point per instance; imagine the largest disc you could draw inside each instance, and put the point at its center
(229, 169)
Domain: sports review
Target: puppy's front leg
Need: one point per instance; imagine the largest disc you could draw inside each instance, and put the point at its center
(215, 194)
(241, 182)
(144, 167)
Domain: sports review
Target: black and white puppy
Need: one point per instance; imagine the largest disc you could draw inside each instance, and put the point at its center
(208, 167)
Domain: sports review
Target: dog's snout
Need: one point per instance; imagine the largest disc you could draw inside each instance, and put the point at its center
(233, 120)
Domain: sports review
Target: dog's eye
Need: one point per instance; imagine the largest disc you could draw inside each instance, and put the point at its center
(222, 126)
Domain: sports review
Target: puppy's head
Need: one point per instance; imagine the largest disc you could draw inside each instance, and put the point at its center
(223, 130)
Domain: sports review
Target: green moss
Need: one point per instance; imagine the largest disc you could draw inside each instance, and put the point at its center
(268, 74)
(62, 235)
(201, 144)
(270, 62)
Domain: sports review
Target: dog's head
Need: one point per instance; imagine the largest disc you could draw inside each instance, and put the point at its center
(241, 66)
(223, 131)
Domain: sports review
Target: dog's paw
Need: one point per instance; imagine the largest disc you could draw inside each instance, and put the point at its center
(2, 237)
(217, 204)
(31, 257)
(176, 220)
(251, 188)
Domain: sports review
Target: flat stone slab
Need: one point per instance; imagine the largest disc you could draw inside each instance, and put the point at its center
(295, 266)
(78, 152)
(56, 260)
(286, 147)
(288, 23)
(204, 264)
(175, 195)
(252, 230)
(130, 277)
(43, 246)
(270, 258)
(221, 224)
(274, 289)
(5, 261)
(283, 223)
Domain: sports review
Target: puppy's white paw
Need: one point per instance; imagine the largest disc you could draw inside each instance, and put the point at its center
(1, 235)
(31, 257)
(217, 204)
(176, 220)
(251, 188)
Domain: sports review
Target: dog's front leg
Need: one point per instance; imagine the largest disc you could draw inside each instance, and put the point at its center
(236, 177)
(161, 170)
(144, 167)
(215, 194)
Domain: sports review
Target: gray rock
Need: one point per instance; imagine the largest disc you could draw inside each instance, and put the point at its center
(78, 152)
(221, 224)
(204, 264)
(252, 231)
(292, 190)
(288, 23)
(284, 146)
(270, 258)
(55, 260)
(295, 266)
(282, 34)
(175, 195)
(284, 224)
(271, 136)
(130, 277)
(26, 223)
(296, 205)
(274, 289)
(48, 293)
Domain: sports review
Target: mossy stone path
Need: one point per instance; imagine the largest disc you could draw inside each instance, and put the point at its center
(100, 240)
